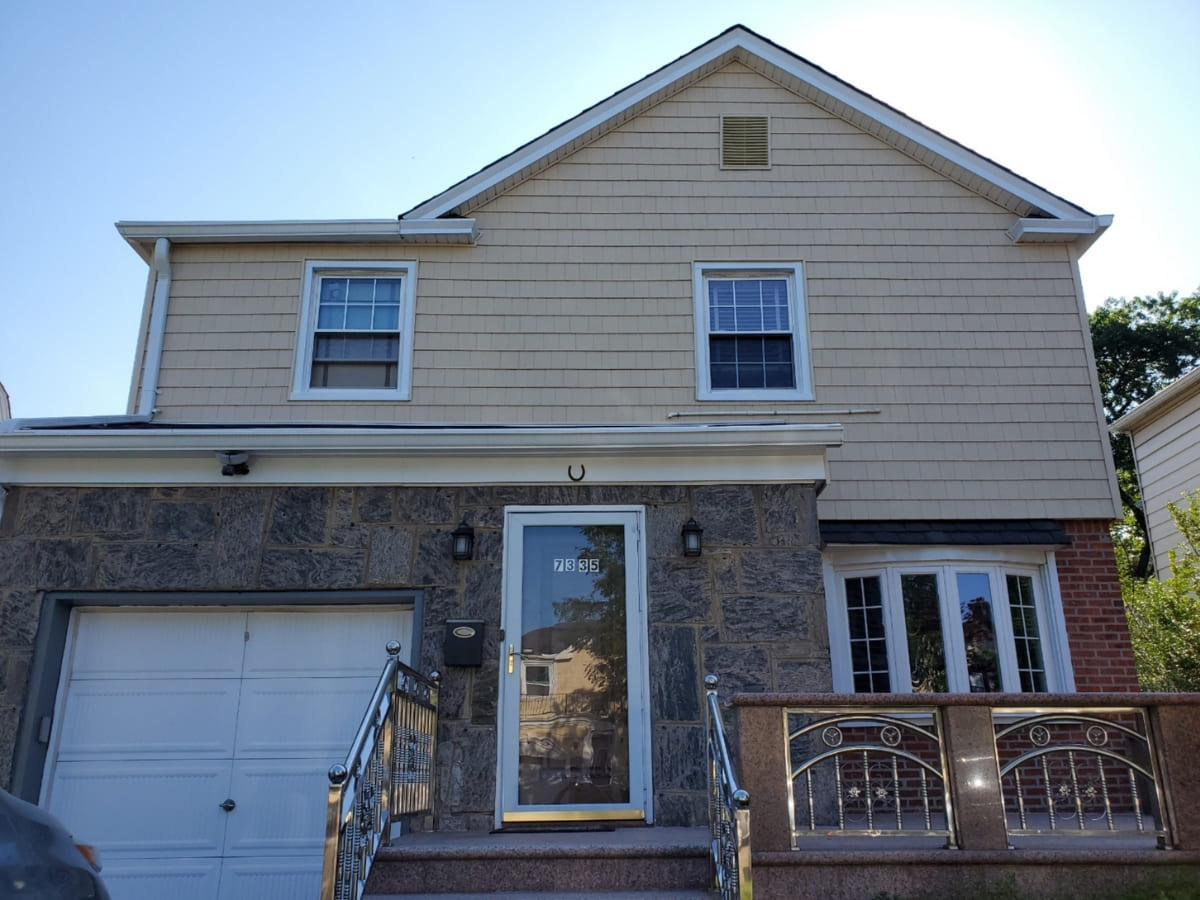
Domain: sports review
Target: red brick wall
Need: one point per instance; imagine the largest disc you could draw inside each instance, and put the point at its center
(1091, 595)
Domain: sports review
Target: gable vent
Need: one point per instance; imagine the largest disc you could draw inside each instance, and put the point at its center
(744, 142)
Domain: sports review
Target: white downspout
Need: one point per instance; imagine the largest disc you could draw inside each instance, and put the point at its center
(158, 328)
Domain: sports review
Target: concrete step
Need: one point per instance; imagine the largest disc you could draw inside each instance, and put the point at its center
(623, 863)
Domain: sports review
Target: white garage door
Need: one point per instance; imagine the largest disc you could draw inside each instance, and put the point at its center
(168, 714)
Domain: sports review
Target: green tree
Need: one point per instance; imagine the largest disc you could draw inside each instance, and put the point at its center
(1164, 613)
(1141, 346)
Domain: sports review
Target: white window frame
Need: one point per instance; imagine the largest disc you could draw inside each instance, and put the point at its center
(314, 271)
(888, 564)
(801, 358)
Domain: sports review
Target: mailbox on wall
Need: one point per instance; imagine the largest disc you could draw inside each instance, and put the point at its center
(464, 642)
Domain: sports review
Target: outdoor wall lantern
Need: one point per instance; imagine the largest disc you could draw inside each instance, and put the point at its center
(691, 538)
(464, 541)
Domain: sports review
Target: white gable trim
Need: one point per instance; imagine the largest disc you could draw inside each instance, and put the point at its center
(740, 43)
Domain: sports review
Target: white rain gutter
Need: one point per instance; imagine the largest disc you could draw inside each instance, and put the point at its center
(158, 329)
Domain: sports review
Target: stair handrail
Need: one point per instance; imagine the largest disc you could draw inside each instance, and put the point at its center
(728, 809)
(388, 773)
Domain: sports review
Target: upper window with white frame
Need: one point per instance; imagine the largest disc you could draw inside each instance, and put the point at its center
(958, 624)
(751, 332)
(357, 331)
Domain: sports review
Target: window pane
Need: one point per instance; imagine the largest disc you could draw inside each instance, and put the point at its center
(362, 290)
(387, 290)
(387, 318)
(979, 632)
(868, 644)
(748, 305)
(1026, 635)
(358, 316)
(752, 362)
(923, 624)
(333, 290)
(331, 316)
(353, 375)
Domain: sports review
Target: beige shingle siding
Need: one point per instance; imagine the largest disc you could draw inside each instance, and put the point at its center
(1168, 455)
(576, 307)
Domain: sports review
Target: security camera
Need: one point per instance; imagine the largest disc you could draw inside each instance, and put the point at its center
(234, 462)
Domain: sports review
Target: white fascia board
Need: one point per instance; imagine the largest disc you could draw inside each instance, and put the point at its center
(1179, 390)
(660, 455)
(734, 40)
(142, 235)
(1061, 230)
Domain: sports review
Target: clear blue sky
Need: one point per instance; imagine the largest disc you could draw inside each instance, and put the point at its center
(257, 109)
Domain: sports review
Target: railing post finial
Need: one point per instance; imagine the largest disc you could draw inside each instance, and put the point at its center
(710, 683)
(338, 774)
(393, 648)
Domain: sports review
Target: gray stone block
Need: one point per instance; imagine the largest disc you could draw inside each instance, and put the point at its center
(19, 613)
(680, 761)
(685, 809)
(466, 768)
(727, 514)
(181, 521)
(112, 512)
(434, 564)
(242, 521)
(755, 617)
(741, 669)
(310, 568)
(153, 567)
(805, 677)
(481, 598)
(62, 563)
(426, 506)
(45, 512)
(374, 504)
(298, 516)
(780, 571)
(674, 679)
(18, 565)
(391, 555)
(680, 591)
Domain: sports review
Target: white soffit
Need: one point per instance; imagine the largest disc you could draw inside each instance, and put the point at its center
(656, 455)
(740, 44)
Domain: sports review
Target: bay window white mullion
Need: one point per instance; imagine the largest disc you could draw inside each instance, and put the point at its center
(1006, 649)
(896, 631)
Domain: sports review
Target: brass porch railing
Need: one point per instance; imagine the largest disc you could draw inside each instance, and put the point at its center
(728, 810)
(387, 774)
(982, 772)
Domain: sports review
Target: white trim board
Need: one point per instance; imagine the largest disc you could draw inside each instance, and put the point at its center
(693, 454)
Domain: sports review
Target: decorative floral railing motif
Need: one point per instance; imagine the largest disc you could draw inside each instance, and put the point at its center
(867, 772)
(1085, 772)
(388, 773)
(728, 810)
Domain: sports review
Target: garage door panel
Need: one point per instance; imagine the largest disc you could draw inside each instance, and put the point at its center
(146, 809)
(270, 879)
(281, 808)
(122, 644)
(146, 720)
(301, 717)
(163, 879)
(332, 643)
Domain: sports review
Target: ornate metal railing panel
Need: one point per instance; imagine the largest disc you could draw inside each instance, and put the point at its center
(728, 810)
(867, 772)
(388, 773)
(1081, 771)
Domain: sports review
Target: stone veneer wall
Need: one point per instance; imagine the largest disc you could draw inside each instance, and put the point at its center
(750, 609)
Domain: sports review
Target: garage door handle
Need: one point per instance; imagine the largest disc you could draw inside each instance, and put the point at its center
(228, 805)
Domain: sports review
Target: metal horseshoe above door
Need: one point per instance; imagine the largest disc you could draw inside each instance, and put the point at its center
(582, 472)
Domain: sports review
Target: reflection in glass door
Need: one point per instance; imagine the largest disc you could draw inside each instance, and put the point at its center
(573, 745)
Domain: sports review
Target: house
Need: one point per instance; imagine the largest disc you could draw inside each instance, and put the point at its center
(1165, 434)
(738, 298)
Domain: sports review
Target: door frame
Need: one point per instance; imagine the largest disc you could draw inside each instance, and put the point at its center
(641, 791)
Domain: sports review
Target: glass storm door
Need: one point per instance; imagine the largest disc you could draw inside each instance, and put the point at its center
(574, 709)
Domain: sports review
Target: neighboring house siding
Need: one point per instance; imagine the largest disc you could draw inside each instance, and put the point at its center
(750, 609)
(1168, 460)
(576, 307)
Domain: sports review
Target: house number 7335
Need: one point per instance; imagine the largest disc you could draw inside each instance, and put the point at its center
(586, 565)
